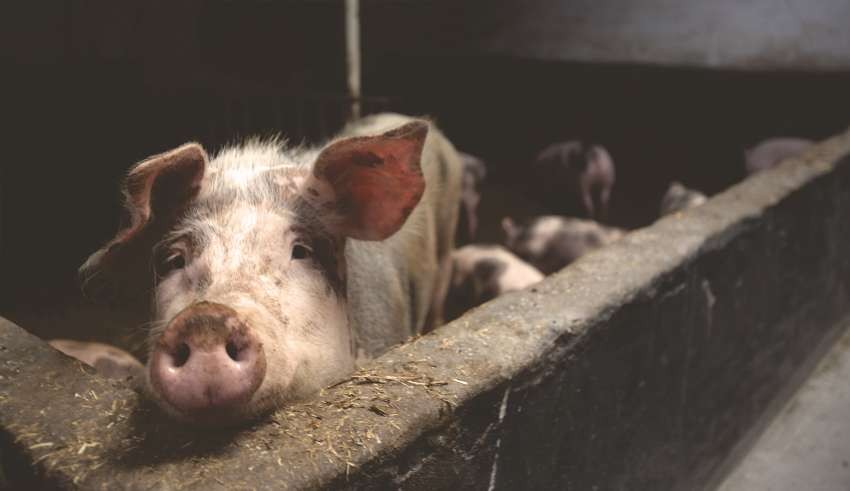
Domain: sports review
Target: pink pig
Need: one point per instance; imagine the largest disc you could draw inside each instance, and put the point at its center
(274, 268)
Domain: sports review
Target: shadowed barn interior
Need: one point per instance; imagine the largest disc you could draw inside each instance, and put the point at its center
(674, 92)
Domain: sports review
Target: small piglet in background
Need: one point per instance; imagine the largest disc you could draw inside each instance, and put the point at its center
(769, 153)
(574, 177)
(680, 198)
(551, 242)
(474, 173)
(483, 272)
(277, 267)
(109, 361)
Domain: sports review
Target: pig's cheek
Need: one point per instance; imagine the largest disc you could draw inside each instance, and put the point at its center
(319, 366)
(324, 351)
(281, 364)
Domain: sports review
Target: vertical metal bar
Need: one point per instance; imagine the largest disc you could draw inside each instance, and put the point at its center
(352, 54)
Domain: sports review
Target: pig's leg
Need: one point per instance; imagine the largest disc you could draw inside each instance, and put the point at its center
(587, 200)
(604, 196)
(471, 220)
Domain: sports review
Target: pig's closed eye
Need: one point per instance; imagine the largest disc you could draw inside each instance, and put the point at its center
(300, 251)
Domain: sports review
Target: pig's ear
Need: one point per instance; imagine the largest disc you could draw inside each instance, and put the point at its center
(376, 181)
(161, 186)
(510, 228)
(156, 191)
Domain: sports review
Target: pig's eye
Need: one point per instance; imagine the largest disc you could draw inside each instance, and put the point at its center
(171, 262)
(300, 251)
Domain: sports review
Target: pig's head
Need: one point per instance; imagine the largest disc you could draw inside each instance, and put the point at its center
(244, 260)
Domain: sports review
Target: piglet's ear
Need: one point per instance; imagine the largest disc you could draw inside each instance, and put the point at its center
(510, 228)
(376, 180)
(156, 191)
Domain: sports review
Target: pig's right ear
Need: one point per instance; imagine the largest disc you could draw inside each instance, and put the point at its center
(156, 191)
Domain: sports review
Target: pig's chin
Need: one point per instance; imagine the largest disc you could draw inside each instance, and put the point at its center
(270, 396)
(260, 405)
(220, 417)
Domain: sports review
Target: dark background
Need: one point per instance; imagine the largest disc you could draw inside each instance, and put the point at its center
(89, 88)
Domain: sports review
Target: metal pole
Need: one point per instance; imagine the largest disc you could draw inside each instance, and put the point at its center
(352, 54)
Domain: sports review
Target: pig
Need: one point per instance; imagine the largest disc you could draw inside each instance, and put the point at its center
(271, 270)
(483, 272)
(551, 242)
(474, 172)
(769, 153)
(574, 176)
(109, 361)
(679, 198)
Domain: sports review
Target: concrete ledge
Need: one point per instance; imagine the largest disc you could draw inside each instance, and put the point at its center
(638, 367)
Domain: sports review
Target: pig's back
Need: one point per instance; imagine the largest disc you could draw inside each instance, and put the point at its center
(394, 285)
(771, 152)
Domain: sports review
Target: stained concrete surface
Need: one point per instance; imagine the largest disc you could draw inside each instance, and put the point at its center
(807, 445)
(745, 35)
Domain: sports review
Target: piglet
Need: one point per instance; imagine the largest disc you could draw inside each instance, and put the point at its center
(679, 198)
(574, 176)
(483, 272)
(551, 242)
(769, 153)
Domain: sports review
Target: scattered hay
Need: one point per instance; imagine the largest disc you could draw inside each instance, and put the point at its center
(97, 427)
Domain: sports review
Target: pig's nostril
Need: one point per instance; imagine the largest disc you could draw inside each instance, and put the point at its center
(207, 365)
(181, 355)
(232, 350)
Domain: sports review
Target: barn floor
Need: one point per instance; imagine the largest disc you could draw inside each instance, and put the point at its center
(807, 445)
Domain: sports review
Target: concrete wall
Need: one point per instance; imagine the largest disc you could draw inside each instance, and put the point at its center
(726, 34)
(641, 366)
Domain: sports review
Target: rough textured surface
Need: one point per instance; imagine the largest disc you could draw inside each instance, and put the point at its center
(807, 445)
(746, 35)
(637, 367)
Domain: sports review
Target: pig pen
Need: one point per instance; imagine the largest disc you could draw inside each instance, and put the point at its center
(644, 365)
(647, 365)
(641, 366)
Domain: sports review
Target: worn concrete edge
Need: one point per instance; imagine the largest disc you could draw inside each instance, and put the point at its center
(392, 401)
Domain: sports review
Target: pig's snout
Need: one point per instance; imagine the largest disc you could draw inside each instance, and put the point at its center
(207, 361)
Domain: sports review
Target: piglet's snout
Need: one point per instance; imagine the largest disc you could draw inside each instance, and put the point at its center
(207, 360)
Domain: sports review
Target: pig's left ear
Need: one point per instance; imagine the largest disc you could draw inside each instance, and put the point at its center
(376, 181)
(156, 191)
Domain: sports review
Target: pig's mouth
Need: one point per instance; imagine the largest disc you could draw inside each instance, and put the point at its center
(214, 399)
(203, 395)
